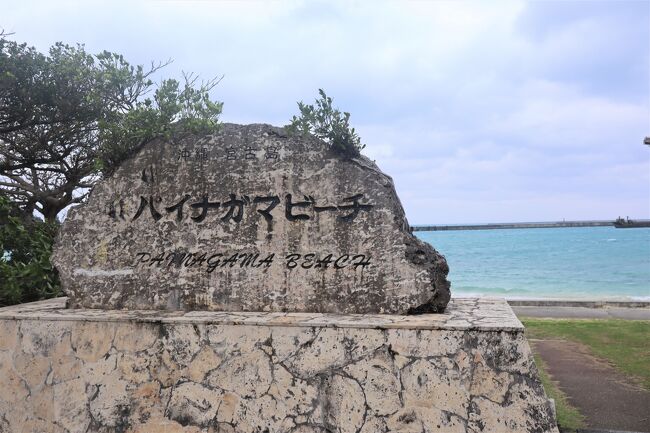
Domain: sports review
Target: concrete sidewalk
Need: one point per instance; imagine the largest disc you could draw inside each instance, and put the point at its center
(582, 312)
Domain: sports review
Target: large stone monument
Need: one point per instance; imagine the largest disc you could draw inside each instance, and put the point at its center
(248, 220)
(257, 282)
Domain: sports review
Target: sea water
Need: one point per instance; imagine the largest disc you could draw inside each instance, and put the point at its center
(598, 263)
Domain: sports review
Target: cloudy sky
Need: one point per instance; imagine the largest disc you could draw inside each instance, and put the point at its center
(480, 111)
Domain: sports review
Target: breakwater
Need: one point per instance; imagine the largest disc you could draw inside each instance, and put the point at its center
(497, 226)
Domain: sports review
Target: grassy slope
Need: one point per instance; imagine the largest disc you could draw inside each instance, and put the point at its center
(624, 343)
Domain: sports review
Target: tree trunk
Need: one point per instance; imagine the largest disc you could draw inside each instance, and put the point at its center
(50, 213)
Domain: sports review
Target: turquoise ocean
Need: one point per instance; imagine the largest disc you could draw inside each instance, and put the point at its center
(595, 263)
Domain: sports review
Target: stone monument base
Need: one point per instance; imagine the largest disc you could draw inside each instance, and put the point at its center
(468, 370)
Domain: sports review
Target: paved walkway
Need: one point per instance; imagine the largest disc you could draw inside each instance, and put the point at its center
(607, 398)
(583, 312)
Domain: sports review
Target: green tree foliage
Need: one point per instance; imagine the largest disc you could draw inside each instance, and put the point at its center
(25, 246)
(327, 123)
(68, 117)
(176, 109)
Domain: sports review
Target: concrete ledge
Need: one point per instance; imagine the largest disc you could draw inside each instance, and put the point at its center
(68, 371)
(461, 314)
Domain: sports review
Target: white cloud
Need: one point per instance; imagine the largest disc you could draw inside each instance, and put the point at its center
(479, 111)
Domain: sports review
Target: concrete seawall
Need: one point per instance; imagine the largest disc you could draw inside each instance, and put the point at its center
(496, 226)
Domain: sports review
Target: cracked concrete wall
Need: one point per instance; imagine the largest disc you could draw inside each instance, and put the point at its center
(216, 374)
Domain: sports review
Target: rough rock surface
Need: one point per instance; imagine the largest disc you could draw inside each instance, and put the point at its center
(247, 220)
(467, 370)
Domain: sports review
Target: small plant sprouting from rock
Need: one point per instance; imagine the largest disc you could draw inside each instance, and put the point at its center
(327, 123)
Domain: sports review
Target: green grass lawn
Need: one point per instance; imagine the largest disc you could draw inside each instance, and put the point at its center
(624, 343)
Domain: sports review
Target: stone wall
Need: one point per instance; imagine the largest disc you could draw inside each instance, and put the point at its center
(468, 370)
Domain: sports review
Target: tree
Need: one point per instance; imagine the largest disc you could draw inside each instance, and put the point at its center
(25, 246)
(69, 117)
(327, 123)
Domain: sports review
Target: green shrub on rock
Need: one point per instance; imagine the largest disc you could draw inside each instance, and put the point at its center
(327, 123)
